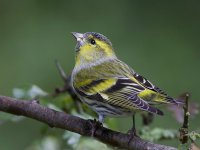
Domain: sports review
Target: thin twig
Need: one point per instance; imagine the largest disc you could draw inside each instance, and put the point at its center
(67, 88)
(61, 71)
(184, 129)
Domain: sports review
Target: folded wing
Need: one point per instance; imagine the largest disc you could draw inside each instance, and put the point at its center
(119, 92)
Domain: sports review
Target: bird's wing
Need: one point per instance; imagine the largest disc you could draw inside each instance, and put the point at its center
(152, 93)
(119, 92)
(147, 84)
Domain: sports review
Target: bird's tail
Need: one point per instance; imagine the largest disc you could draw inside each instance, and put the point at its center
(155, 111)
(178, 102)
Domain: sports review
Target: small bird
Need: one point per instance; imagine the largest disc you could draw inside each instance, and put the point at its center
(108, 85)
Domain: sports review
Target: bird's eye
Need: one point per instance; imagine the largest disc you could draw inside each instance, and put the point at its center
(92, 42)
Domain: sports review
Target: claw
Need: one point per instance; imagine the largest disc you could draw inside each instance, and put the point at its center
(132, 132)
(95, 124)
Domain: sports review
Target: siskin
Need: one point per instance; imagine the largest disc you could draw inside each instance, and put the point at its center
(109, 86)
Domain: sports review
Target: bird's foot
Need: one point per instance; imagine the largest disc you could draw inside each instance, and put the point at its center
(95, 125)
(132, 133)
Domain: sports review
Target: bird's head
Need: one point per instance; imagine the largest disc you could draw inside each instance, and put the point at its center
(92, 47)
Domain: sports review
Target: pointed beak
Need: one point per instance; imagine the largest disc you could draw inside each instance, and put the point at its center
(78, 36)
(80, 40)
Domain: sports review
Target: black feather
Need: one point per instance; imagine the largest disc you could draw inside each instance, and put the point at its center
(122, 83)
(92, 84)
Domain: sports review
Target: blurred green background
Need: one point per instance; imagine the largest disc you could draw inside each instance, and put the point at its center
(159, 39)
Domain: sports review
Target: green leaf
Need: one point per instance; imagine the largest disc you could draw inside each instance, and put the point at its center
(71, 138)
(194, 135)
(47, 143)
(91, 144)
(36, 91)
(30, 93)
(156, 134)
(19, 93)
(4, 117)
(52, 106)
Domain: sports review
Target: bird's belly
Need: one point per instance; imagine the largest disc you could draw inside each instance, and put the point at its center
(107, 109)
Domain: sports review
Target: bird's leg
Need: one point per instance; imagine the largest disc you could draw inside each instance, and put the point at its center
(132, 131)
(95, 124)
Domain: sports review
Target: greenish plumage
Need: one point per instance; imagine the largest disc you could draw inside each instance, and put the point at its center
(108, 85)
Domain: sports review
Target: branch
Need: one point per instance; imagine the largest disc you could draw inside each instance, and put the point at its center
(32, 109)
(184, 129)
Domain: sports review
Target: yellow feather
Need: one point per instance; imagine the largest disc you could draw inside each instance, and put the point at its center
(82, 83)
(135, 80)
(104, 46)
(102, 86)
(86, 51)
(105, 96)
(150, 95)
